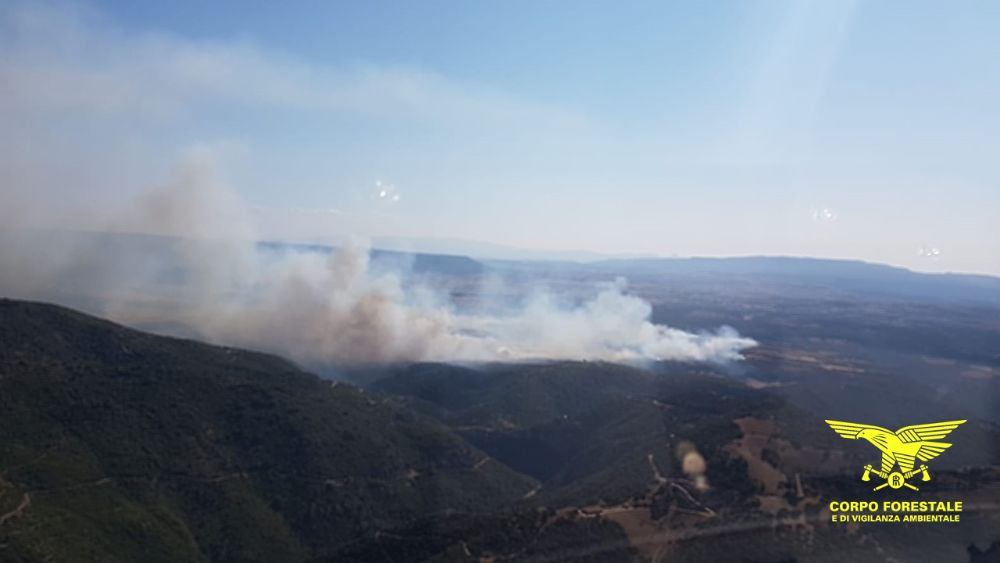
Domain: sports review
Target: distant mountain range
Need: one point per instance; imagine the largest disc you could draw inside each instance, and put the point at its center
(844, 275)
(488, 250)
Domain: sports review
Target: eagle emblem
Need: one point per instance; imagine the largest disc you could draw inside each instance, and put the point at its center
(902, 448)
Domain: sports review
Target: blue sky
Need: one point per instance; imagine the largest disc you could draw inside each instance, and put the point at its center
(842, 129)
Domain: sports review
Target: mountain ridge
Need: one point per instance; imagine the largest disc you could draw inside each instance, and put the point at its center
(159, 448)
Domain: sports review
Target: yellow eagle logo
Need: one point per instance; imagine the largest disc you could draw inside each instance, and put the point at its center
(902, 447)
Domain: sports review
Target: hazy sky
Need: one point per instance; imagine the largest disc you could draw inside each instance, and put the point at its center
(863, 130)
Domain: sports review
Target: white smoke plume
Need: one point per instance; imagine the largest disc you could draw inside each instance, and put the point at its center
(693, 464)
(202, 275)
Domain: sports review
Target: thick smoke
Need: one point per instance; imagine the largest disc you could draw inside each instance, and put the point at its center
(198, 272)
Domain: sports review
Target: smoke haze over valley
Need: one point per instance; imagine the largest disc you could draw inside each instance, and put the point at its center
(117, 138)
(459, 282)
(206, 276)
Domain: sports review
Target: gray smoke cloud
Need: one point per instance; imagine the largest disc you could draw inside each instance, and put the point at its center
(196, 270)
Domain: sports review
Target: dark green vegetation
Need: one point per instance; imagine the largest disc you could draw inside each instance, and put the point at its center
(603, 440)
(133, 447)
(585, 431)
(116, 445)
